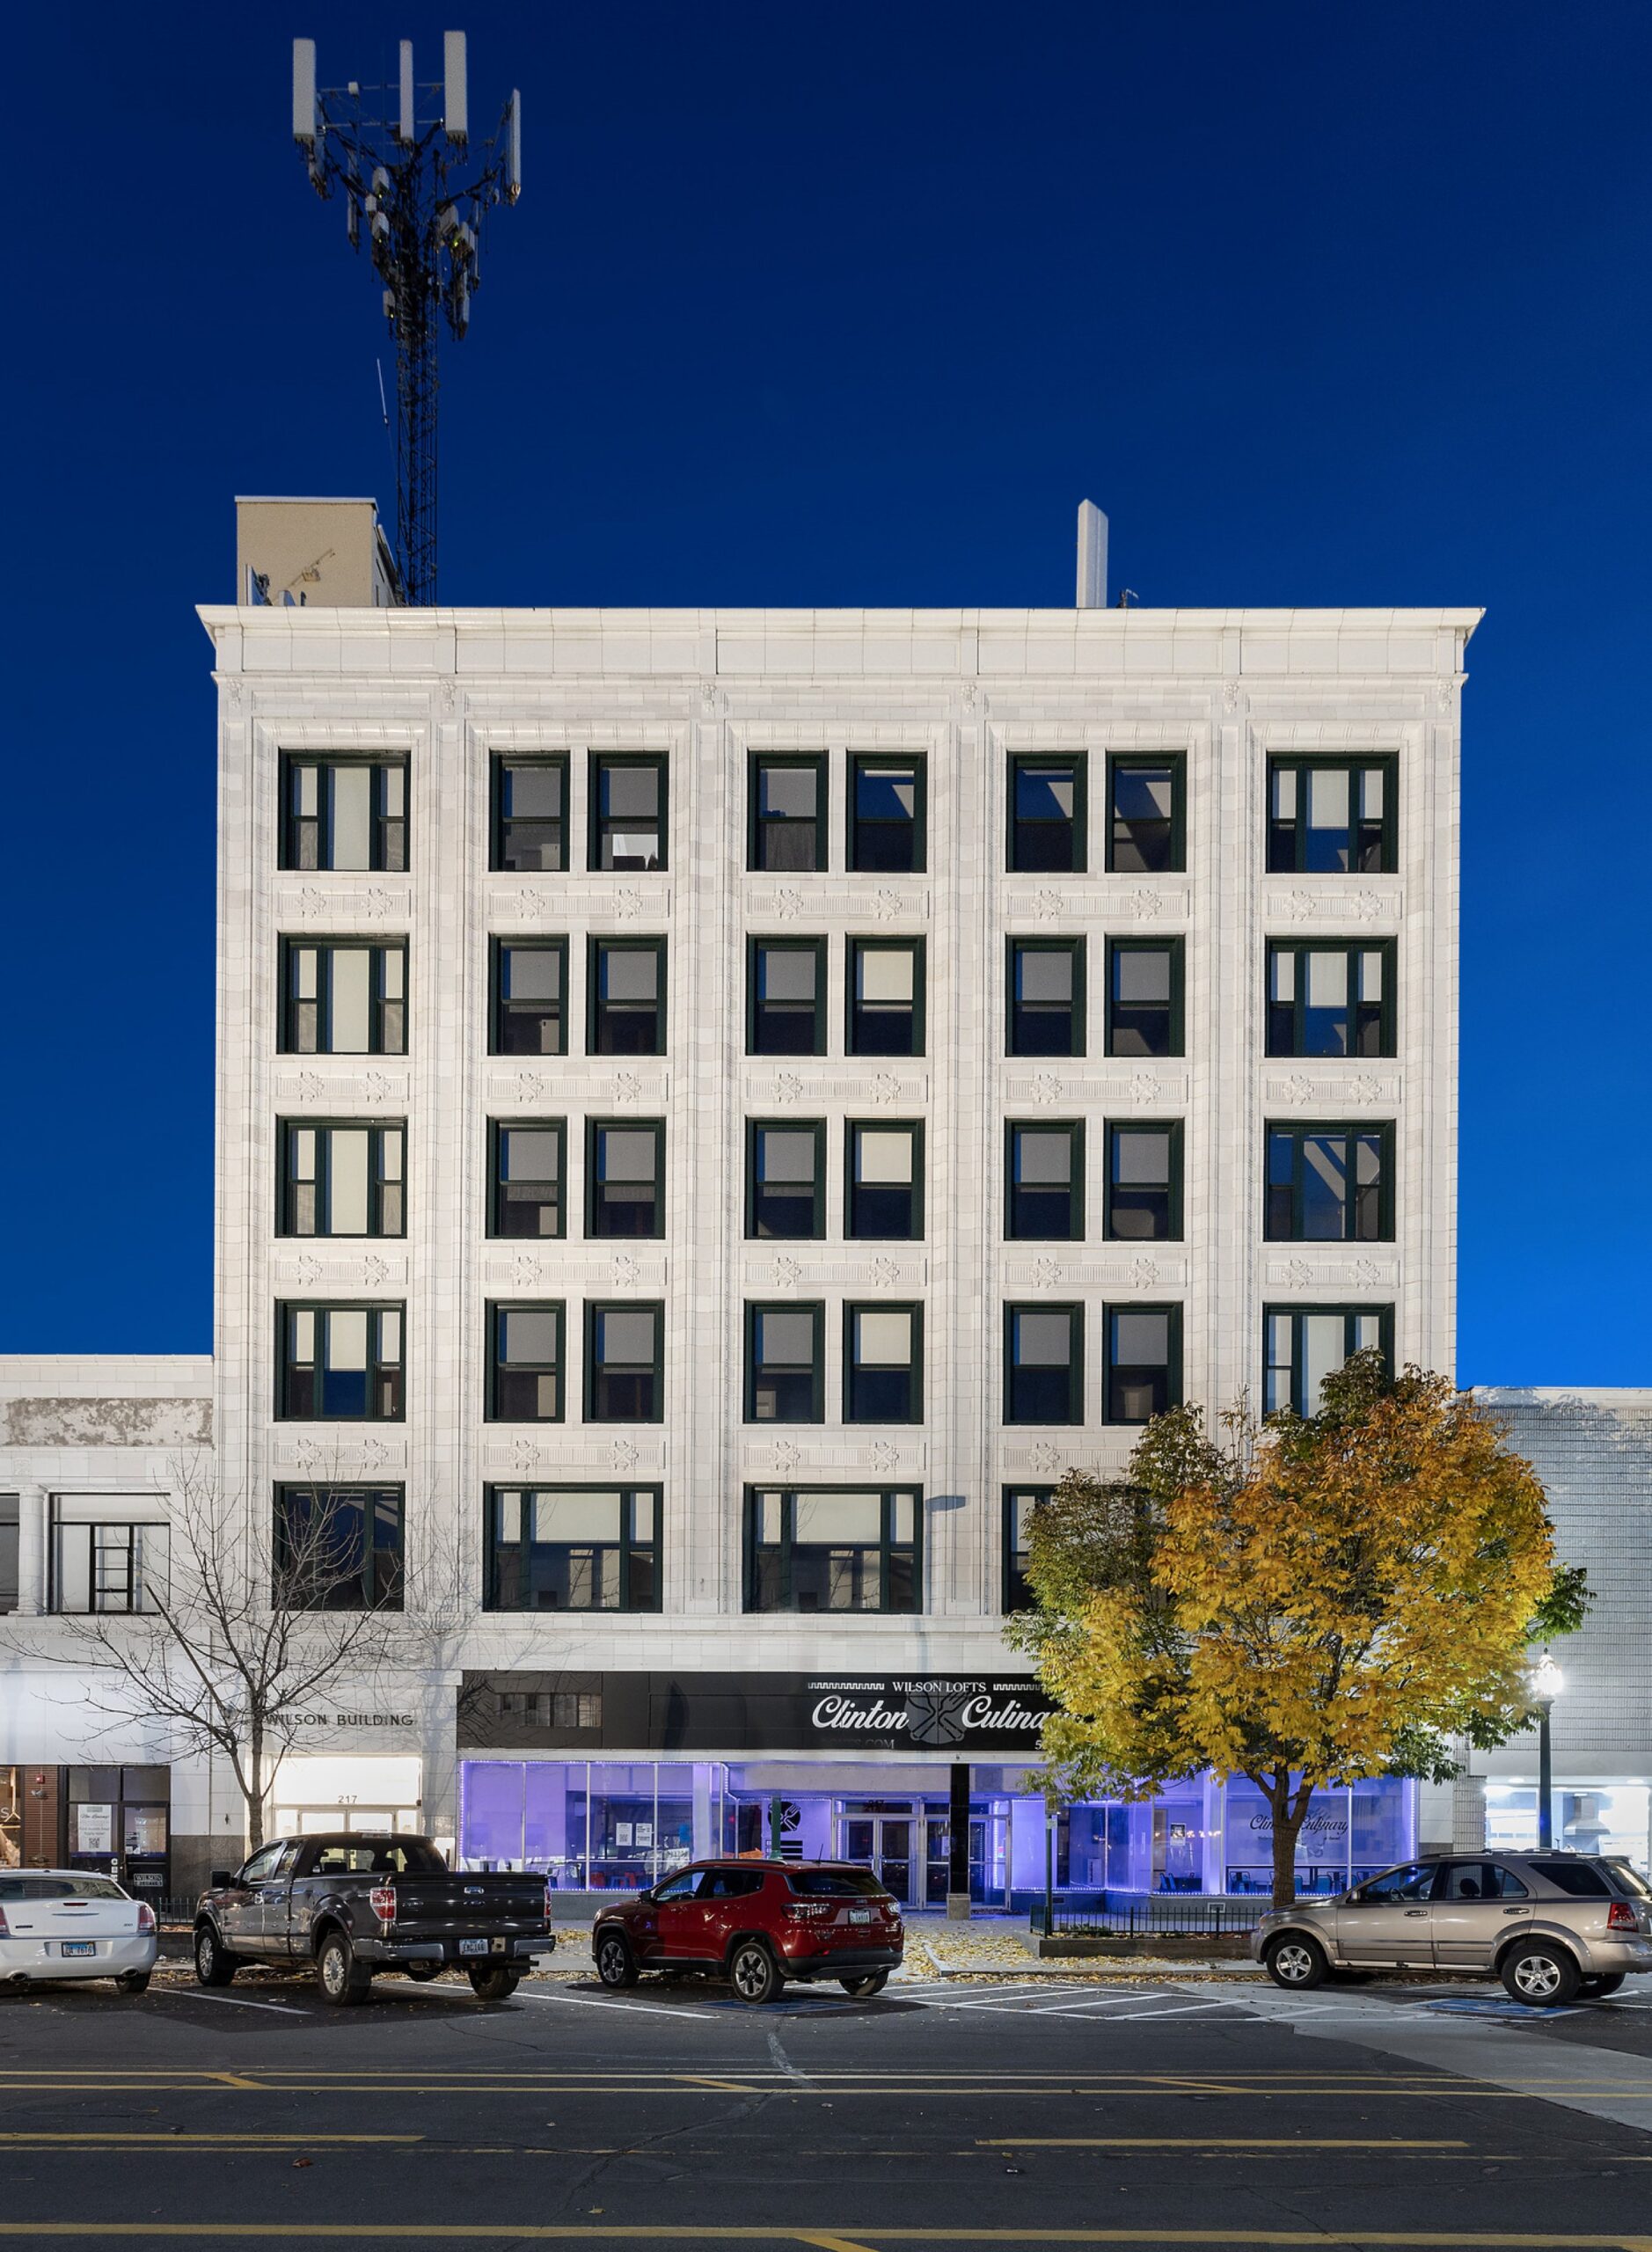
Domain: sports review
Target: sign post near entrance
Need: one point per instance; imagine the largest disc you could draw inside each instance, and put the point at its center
(958, 1873)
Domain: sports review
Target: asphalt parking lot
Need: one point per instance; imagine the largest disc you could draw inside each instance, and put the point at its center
(1047, 2110)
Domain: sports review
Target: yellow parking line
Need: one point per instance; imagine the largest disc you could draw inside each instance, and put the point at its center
(141, 2136)
(859, 2239)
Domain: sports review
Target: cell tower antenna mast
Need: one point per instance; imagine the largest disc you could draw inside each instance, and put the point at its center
(419, 188)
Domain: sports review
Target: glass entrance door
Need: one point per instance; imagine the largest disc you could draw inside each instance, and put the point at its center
(883, 1841)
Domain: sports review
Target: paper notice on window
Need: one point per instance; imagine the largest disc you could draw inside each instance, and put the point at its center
(94, 1829)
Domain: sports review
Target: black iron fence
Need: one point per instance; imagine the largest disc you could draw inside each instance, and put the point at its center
(1142, 1915)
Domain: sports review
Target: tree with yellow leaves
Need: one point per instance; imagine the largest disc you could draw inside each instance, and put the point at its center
(1310, 1601)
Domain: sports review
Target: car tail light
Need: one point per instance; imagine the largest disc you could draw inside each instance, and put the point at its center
(1620, 1917)
(4, 1933)
(550, 1900)
(383, 1898)
(146, 1916)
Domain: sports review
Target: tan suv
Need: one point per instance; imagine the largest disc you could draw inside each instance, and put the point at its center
(1551, 1926)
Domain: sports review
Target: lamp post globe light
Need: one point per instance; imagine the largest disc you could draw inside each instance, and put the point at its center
(1546, 1681)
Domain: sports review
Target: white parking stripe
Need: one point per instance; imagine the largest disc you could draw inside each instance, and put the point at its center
(231, 2001)
(591, 2002)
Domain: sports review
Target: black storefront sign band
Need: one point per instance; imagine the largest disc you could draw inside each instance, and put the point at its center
(956, 1716)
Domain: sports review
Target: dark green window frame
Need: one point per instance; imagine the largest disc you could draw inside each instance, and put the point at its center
(1370, 1025)
(500, 1011)
(496, 1313)
(1176, 948)
(498, 1200)
(1120, 847)
(816, 1128)
(859, 950)
(863, 836)
(374, 1583)
(615, 1018)
(900, 1560)
(1371, 843)
(1013, 1407)
(308, 825)
(1116, 1407)
(302, 1398)
(504, 1507)
(386, 1176)
(596, 1310)
(1113, 1228)
(755, 942)
(854, 1232)
(1017, 1193)
(594, 1127)
(1289, 1375)
(759, 826)
(1283, 1204)
(503, 822)
(1020, 1038)
(310, 1012)
(1020, 858)
(600, 827)
(11, 1534)
(854, 1369)
(815, 1311)
(1018, 1504)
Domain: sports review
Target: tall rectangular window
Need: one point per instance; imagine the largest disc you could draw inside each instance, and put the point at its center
(1046, 997)
(1048, 815)
(344, 813)
(625, 997)
(830, 1550)
(1330, 1184)
(101, 1563)
(785, 994)
(529, 1015)
(530, 814)
(1144, 1371)
(337, 1548)
(1044, 1174)
(1146, 813)
(1330, 998)
(883, 1190)
(1145, 1181)
(785, 1378)
(525, 1363)
(340, 1364)
(526, 1169)
(1303, 1345)
(344, 997)
(572, 1548)
(628, 811)
(342, 1177)
(1043, 1365)
(887, 814)
(1019, 1503)
(786, 1177)
(1144, 997)
(788, 811)
(625, 1365)
(625, 1177)
(886, 997)
(1332, 817)
(883, 1365)
(10, 1535)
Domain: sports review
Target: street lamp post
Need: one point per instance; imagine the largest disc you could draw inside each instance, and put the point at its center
(1547, 1681)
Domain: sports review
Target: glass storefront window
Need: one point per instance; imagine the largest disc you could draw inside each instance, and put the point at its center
(590, 1825)
(1611, 1818)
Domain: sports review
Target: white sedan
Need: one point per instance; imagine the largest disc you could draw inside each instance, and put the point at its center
(65, 1923)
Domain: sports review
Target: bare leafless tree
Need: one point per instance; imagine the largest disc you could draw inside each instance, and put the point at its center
(239, 1631)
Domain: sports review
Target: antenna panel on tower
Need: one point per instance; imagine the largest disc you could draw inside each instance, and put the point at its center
(513, 147)
(456, 87)
(407, 129)
(304, 90)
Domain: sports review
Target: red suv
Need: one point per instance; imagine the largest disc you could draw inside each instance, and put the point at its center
(756, 1923)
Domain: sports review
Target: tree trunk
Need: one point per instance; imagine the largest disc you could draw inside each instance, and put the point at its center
(1289, 1810)
(255, 1790)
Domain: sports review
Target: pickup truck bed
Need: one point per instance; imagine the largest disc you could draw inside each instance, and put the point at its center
(355, 1904)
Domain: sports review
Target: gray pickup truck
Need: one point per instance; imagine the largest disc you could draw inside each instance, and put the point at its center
(354, 1905)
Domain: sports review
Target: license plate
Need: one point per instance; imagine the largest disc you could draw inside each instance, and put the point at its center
(860, 1915)
(77, 1946)
(472, 1947)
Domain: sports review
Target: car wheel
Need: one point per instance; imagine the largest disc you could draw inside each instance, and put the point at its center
(754, 1974)
(133, 1982)
(1295, 1963)
(338, 1975)
(616, 1965)
(213, 1966)
(1595, 1989)
(873, 1982)
(1539, 1976)
(495, 1982)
